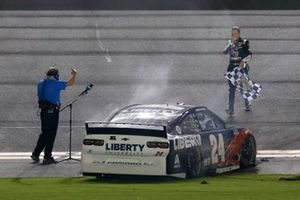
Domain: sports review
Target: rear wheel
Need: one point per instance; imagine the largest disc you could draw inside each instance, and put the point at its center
(194, 166)
(99, 176)
(248, 153)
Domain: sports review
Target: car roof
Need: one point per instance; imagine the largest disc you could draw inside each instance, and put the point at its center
(168, 110)
(178, 108)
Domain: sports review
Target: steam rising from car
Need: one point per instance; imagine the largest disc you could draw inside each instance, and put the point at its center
(154, 83)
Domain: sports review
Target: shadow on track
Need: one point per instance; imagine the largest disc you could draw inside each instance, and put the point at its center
(121, 179)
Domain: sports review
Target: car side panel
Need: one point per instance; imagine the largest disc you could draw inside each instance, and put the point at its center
(179, 145)
(214, 146)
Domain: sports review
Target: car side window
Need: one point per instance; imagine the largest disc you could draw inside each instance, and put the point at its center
(219, 124)
(189, 125)
(208, 121)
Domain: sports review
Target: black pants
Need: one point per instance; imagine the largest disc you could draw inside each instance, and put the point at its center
(232, 89)
(49, 124)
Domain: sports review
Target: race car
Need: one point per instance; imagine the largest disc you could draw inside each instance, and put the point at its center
(165, 140)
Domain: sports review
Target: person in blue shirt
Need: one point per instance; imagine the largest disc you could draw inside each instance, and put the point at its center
(49, 90)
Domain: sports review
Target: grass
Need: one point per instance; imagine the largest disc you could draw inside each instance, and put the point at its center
(229, 186)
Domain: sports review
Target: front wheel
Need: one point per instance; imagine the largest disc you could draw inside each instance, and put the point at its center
(194, 166)
(248, 153)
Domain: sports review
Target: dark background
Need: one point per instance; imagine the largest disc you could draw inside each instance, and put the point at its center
(149, 4)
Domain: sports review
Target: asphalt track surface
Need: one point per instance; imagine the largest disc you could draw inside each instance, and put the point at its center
(19, 164)
(156, 57)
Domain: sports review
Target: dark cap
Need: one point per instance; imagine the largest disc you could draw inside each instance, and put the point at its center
(53, 71)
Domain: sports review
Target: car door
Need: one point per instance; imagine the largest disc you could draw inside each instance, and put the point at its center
(187, 136)
(215, 138)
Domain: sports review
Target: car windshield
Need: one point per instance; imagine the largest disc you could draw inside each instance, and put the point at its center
(145, 116)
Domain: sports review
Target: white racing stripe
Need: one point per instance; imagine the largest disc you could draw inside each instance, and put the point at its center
(77, 155)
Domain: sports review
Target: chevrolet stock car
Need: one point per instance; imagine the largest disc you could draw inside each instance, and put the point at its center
(165, 140)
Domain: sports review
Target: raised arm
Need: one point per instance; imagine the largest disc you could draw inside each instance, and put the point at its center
(226, 49)
(72, 78)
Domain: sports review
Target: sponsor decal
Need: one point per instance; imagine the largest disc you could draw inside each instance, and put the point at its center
(187, 142)
(178, 130)
(124, 147)
(192, 141)
(152, 110)
(176, 162)
(112, 138)
(159, 153)
(128, 163)
(124, 153)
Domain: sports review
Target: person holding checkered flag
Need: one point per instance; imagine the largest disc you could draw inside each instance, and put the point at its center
(238, 70)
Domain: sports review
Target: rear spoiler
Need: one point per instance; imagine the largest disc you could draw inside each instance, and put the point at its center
(115, 128)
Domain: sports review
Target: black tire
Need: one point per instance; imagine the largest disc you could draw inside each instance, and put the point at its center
(99, 176)
(248, 153)
(194, 163)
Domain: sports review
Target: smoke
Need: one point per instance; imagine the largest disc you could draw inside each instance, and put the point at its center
(149, 84)
(150, 79)
(153, 82)
(215, 96)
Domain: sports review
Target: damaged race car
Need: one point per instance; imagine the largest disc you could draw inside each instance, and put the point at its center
(165, 140)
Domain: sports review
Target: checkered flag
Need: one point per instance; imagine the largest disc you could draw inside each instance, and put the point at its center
(240, 79)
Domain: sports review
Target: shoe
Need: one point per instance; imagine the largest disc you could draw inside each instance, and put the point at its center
(35, 158)
(229, 112)
(248, 108)
(48, 161)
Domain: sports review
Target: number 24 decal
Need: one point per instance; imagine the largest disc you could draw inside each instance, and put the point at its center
(218, 149)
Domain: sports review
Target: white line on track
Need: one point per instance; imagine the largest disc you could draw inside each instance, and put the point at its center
(36, 127)
(260, 154)
(26, 155)
(278, 151)
(278, 154)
